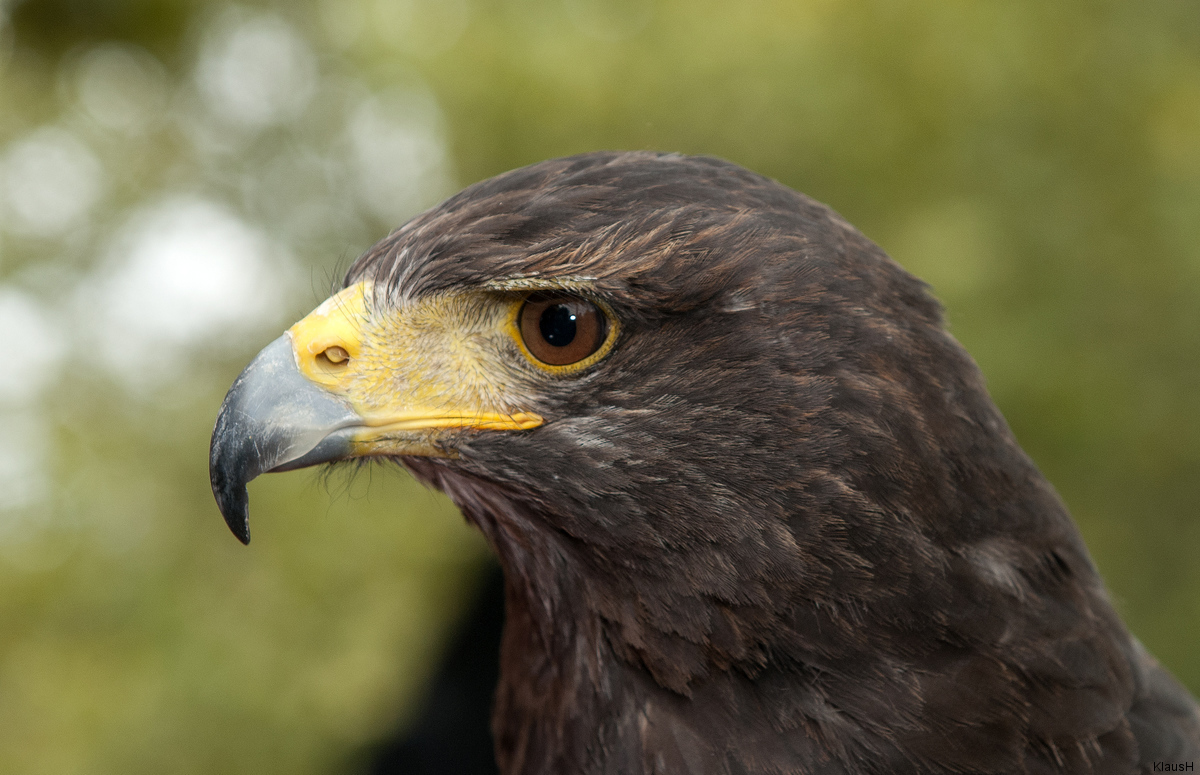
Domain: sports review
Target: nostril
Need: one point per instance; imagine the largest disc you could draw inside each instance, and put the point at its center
(335, 355)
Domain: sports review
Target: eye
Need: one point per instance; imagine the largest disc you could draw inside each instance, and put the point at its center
(561, 330)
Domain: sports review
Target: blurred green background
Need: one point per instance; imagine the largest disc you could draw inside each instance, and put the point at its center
(179, 180)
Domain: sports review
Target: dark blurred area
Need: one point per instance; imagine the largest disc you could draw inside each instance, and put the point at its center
(452, 733)
(180, 180)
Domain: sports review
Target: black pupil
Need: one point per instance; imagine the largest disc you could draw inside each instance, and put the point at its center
(558, 325)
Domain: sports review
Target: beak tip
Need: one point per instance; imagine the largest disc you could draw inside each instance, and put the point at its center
(241, 530)
(234, 503)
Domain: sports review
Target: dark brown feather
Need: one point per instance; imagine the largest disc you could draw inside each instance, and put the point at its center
(781, 528)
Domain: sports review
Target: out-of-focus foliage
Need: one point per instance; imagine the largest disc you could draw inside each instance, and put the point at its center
(181, 179)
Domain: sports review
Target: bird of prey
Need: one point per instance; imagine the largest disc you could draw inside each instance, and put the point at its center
(755, 509)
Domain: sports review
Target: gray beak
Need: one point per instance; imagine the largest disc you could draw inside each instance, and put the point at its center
(273, 419)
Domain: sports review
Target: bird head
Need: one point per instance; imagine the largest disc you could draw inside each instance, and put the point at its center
(683, 387)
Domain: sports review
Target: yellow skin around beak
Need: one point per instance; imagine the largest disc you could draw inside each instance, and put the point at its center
(359, 377)
(436, 365)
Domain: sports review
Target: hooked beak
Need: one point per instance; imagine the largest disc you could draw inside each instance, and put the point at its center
(335, 387)
(273, 419)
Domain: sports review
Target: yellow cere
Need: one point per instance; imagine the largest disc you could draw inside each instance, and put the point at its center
(436, 363)
(337, 323)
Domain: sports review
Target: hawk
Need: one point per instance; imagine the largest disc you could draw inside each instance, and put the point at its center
(755, 509)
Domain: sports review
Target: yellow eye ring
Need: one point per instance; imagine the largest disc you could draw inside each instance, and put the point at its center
(562, 332)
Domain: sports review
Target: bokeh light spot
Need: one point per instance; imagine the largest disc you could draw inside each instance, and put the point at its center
(49, 181)
(398, 154)
(183, 273)
(256, 71)
(121, 87)
(35, 343)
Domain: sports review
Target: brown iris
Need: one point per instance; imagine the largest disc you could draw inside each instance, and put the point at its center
(560, 330)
